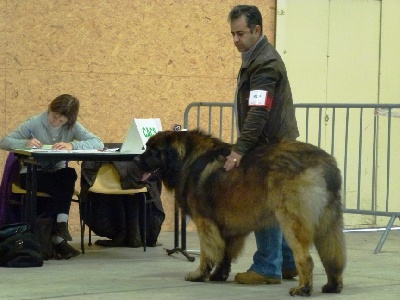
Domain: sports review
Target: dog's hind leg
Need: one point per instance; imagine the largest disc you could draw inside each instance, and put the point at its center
(299, 236)
(233, 247)
(212, 250)
(330, 244)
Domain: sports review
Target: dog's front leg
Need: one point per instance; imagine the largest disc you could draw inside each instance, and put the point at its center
(212, 248)
(203, 271)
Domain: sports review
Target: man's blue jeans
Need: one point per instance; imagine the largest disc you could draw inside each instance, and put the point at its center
(273, 253)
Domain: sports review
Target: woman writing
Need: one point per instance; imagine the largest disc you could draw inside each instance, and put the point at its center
(57, 126)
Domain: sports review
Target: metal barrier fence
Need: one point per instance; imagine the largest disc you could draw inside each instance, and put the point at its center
(360, 136)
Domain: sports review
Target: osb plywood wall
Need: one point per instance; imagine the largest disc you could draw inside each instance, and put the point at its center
(122, 59)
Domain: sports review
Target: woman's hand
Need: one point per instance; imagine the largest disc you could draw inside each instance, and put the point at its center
(63, 146)
(33, 143)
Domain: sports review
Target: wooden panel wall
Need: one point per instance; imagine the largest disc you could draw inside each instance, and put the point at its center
(122, 59)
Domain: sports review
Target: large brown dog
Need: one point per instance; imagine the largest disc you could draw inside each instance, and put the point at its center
(294, 184)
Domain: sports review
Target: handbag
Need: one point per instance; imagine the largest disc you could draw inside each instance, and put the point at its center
(43, 232)
(19, 248)
(11, 229)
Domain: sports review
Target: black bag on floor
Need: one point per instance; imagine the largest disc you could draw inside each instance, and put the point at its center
(19, 248)
(44, 232)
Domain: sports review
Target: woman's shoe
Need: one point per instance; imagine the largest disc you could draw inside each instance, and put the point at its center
(62, 231)
(111, 243)
(64, 250)
(156, 244)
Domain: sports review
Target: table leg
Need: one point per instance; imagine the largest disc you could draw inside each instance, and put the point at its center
(31, 198)
(28, 202)
(183, 237)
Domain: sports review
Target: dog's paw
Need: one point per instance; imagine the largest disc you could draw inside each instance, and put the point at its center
(332, 288)
(195, 276)
(300, 291)
(218, 277)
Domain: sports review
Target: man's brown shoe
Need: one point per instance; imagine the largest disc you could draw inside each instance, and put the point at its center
(289, 274)
(251, 277)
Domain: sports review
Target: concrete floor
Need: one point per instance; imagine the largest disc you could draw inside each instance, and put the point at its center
(126, 273)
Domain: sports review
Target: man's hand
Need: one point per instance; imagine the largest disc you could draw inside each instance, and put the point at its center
(233, 160)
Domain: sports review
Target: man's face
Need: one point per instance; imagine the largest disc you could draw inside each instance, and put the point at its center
(242, 37)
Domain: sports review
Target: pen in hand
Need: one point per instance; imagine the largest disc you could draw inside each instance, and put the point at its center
(32, 141)
(31, 136)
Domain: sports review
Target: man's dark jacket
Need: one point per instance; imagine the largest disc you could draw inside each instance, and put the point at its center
(264, 70)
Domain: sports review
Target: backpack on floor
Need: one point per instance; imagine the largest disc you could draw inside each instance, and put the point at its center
(19, 248)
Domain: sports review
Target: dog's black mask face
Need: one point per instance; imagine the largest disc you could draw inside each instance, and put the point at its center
(156, 156)
(150, 160)
(161, 155)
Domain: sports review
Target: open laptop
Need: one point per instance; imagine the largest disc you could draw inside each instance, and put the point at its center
(135, 141)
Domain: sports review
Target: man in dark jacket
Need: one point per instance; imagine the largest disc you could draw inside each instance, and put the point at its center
(265, 115)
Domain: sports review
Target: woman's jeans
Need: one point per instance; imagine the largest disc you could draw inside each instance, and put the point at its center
(273, 253)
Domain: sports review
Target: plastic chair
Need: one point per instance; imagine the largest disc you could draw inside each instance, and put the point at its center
(108, 182)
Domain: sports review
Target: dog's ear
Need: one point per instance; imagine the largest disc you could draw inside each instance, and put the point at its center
(173, 160)
(173, 168)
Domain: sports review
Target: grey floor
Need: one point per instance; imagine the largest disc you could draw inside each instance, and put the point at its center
(126, 273)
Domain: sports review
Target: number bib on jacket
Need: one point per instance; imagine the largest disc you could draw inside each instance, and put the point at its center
(260, 98)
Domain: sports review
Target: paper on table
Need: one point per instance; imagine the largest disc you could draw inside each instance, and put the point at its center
(64, 151)
(110, 149)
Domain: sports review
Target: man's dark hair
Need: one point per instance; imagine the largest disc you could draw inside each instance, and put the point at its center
(251, 13)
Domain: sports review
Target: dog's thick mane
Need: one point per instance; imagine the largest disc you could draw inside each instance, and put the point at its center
(189, 153)
(201, 150)
(180, 150)
(198, 142)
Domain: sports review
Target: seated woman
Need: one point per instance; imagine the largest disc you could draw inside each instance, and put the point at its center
(57, 126)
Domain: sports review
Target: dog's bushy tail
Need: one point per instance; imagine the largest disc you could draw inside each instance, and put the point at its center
(329, 238)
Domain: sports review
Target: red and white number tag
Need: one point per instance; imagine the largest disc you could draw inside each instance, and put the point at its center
(260, 98)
